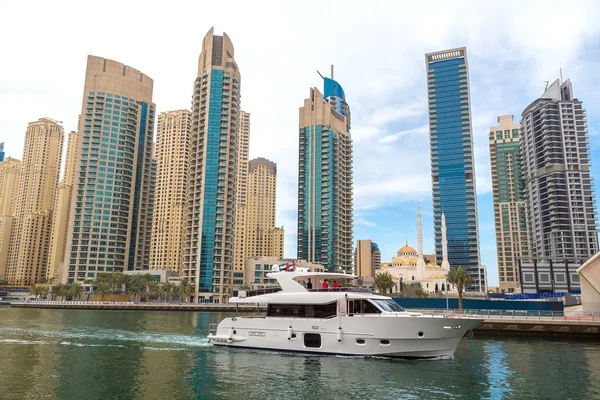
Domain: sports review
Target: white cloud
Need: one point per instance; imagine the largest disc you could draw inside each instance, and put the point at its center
(392, 138)
(364, 222)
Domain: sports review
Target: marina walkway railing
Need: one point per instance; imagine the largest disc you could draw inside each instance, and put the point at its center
(516, 314)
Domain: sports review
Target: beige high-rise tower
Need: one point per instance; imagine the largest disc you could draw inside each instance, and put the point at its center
(241, 194)
(31, 227)
(111, 211)
(10, 172)
(172, 163)
(62, 207)
(262, 237)
(363, 259)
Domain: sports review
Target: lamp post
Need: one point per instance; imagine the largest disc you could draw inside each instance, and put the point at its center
(447, 308)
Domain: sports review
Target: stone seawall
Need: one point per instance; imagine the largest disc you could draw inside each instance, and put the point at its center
(564, 327)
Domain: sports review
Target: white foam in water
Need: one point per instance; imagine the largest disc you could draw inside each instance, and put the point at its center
(112, 335)
(90, 344)
(21, 341)
(164, 348)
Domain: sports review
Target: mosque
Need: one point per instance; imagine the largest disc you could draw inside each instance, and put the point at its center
(415, 267)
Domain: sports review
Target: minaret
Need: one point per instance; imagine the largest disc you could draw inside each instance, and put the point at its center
(420, 260)
(445, 263)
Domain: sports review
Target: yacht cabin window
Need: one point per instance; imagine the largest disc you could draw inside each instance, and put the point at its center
(320, 311)
(388, 305)
(362, 307)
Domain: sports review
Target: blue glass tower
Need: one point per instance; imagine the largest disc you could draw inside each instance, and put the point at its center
(1, 151)
(325, 223)
(452, 161)
(210, 210)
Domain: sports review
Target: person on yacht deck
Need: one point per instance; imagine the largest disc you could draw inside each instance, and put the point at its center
(336, 285)
(309, 284)
(325, 284)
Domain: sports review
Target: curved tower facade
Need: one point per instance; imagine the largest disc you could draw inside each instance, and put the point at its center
(110, 218)
(325, 219)
(210, 207)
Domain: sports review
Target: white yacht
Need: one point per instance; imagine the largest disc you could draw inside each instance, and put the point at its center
(344, 321)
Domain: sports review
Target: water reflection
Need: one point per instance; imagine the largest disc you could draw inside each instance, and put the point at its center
(498, 373)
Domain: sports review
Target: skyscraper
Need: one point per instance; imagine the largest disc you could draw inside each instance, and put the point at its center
(209, 234)
(31, 226)
(262, 237)
(325, 179)
(376, 256)
(62, 208)
(110, 218)
(367, 258)
(509, 200)
(1, 151)
(559, 190)
(172, 163)
(10, 173)
(452, 160)
(240, 240)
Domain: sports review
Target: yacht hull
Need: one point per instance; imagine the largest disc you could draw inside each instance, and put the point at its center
(393, 335)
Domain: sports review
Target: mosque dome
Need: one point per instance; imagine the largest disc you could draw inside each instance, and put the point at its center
(407, 250)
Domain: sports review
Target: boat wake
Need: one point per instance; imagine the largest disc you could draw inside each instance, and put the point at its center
(103, 338)
(21, 341)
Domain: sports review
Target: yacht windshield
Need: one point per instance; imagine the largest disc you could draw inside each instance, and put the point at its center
(388, 305)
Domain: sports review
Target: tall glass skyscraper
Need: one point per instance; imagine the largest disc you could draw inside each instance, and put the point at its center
(110, 218)
(210, 223)
(325, 206)
(452, 161)
(1, 151)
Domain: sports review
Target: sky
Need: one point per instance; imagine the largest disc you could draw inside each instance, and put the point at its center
(378, 49)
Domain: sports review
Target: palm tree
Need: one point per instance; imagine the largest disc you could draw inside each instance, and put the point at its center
(76, 290)
(35, 291)
(153, 289)
(137, 286)
(459, 277)
(102, 289)
(102, 277)
(167, 289)
(185, 288)
(177, 292)
(420, 292)
(58, 291)
(117, 280)
(383, 282)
